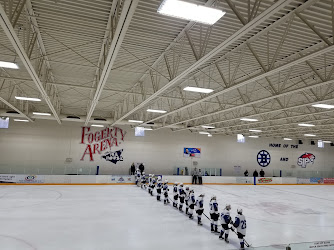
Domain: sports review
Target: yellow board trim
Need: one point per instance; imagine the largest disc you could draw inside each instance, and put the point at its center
(92, 184)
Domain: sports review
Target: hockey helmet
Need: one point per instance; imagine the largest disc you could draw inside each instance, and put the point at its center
(187, 187)
(166, 181)
(228, 207)
(201, 195)
(159, 178)
(239, 210)
(213, 197)
(181, 184)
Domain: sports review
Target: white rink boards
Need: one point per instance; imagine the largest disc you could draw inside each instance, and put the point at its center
(126, 217)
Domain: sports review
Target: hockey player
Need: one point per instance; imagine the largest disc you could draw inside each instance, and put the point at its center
(225, 220)
(200, 209)
(186, 199)
(159, 187)
(175, 194)
(240, 225)
(191, 203)
(181, 196)
(165, 190)
(153, 184)
(137, 176)
(149, 183)
(214, 214)
(143, 181)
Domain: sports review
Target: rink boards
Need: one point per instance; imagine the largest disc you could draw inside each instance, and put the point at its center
(129, 180)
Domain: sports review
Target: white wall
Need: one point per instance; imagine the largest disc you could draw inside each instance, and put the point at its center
(44, 145)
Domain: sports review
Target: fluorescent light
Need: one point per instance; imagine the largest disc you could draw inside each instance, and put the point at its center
(249, 119)
(305, 125)
(199, 90)
(287, 139)
(204, 133)
(309, 135)
(326, 141)
(148, 129)
(8, 65)
(97, 125)
(142, 128)
(156, 111)
(209, 135)
(135, 121)
(255, 130)
(323, 106)
(20, 120)
(27, 98)
(190, 11)
(253, 136)
(207, 126)
(38, 113)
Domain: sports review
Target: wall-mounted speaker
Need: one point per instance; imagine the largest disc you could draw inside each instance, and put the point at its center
(332, 144)
(312, 142)
(300, 142)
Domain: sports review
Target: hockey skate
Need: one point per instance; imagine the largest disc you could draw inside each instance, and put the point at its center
(212, 230)
(190, 216)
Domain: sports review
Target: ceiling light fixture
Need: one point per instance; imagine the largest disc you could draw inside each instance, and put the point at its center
(157, 111)
(249, 119)
(326, 141)
(8, 65)
(190, 11)
(27, 99)
(204, 133)
(97, 125)
(20, 120)
(135, 121)
(255, 130)
(38, 113)
(323, 106)
(209, 135)
(253, 136)
(148, 129)
(311, 135)
(306, 125)
(204, 126)
(287, 139)
(198, 90)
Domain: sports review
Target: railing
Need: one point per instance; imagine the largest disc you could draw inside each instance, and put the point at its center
(51, 170)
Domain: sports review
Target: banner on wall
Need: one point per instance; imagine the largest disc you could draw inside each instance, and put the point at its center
(7, 178)
(303, 181)
(102, 142)
(192, 152)
(305, 159)
(264, 180)
(30, 179)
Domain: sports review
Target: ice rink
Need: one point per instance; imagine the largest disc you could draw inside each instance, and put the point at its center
(126, 217)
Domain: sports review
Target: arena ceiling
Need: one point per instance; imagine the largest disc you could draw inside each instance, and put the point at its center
(107, 61)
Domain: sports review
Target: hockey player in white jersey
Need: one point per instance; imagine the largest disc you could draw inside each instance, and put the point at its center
(181, 196)
(137, 176)
(165, 190)
(153, 184)
(200, 208)
(186, 198)
(149, 183)
(225, 219)
(214, 214)
(159, 187)
(240, 225)
(191, 203)
(143, 180)
(175, 194)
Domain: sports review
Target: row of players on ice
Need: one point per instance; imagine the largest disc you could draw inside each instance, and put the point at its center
(185, 195)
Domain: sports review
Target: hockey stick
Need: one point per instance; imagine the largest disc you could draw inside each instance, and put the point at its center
(246, 243)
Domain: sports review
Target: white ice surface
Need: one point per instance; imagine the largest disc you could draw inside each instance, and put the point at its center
(126, 217)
